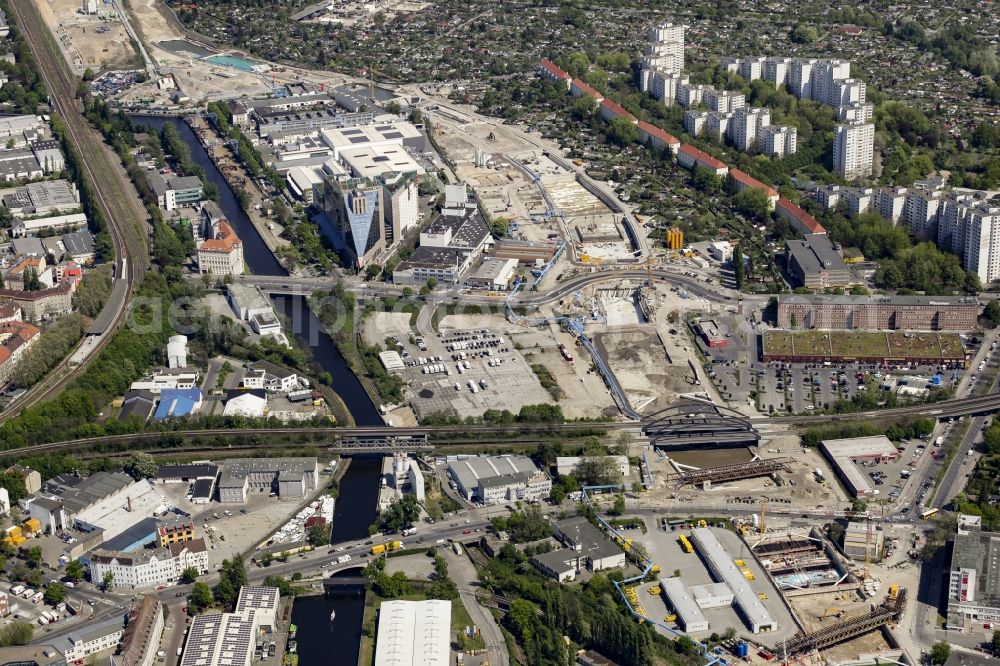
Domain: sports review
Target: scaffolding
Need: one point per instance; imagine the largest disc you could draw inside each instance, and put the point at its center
(732, 472)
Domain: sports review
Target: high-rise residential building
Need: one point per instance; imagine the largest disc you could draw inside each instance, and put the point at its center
(800, 77)
(853, 147)
(689, 95)
(952, 222)
(723, 101)
(778, 140)
(746, 125)
(825, 77)
(856, 112)
(776, 70)
(695, 121)
(982, 242)
(662, 62)
(667, 43)
(751, 68)
(921, 213)
(857, 200)
(717, 124)
(890, 202)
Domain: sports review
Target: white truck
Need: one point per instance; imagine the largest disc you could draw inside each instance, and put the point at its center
(410, 531)
(343, 559)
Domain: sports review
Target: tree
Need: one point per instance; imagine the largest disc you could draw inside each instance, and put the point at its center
(804, 33)
(140, 465)
(622, 131)
(189, 575)
(201, 596)
(318, 535)
(16, 633)
(431, 283)
(31, 281)
(108, 580)
(34, 556)
(285, 588)
(618, 508)
(991, 314)
(55, 594)
(597, 471)
(995, 643)
(753, 203)
(74, 571)
(400, 515)
(940, 652)
(738, 265)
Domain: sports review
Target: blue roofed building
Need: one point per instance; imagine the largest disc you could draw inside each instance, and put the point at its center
(178, 403)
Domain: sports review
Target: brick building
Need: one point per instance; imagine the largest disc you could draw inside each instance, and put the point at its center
(907, 313)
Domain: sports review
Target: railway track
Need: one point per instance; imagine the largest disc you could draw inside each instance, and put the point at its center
(102, 169)
(443, 436)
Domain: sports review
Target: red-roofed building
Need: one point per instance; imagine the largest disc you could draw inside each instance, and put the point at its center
(800, 220)
(578, 88)
(550, 70)
(611, 109)
(742, 181)
(9, 312)
(690, 157)
(222, 255)
(15, 339)
(657, 138)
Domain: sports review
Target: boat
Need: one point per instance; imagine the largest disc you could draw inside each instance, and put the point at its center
(333, 615)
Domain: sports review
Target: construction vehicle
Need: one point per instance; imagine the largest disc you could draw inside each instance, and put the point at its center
(832, 612)
(748, 574)
(671, 618)
(740, 563)
(762, 596)
(893, 590)
(685, 544)
(702, 523)
(655, 570)
(654, 590)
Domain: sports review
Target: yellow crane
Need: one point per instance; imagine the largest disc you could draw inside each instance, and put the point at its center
(763, 513)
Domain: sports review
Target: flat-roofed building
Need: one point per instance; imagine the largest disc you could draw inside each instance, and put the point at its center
(580, 535)
(91, 638)
(413, 632)
(722, 567)
(974, 575)
(284, 477)
(682, 602)
(813, 263)
(843, 452)
(228, 639)
(498, 479)
(882, 313)
(561, 565)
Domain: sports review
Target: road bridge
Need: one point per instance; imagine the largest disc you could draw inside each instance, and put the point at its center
(691, 424)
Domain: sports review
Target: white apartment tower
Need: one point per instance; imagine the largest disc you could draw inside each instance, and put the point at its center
(751, 68)
(776, 70)
(723, 101)
(982, 246)
(666, 44)
(800, 77)
(890, 202)
(826, 75)
(694, 122)
(778, 140)
(746, 126)
(853, 147)
(921, 213)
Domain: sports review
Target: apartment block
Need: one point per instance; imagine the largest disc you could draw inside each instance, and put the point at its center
(746, 126)
(778, 140)
(921, 212)
(723, 101)
(853, 146)
(890, 202)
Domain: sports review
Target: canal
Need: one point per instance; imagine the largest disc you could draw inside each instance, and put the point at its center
(355, 507)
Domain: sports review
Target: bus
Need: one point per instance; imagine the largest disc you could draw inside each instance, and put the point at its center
(929, 513)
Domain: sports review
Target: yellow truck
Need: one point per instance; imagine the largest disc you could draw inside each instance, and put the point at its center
(387, 547)
(685, 544)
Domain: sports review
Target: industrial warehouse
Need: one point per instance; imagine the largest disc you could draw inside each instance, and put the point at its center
(844, 455)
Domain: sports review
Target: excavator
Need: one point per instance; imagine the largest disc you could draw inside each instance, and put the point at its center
(832, 612)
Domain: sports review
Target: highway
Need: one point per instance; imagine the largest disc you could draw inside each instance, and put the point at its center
(103, 172)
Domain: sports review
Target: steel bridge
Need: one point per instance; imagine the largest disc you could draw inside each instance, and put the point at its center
(850, 628)
(732, 472)
(694, 423)
(346, 445)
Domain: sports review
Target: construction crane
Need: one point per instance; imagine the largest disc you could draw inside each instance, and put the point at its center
(763, 514)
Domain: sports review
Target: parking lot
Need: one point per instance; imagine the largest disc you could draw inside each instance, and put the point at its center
(465, 373)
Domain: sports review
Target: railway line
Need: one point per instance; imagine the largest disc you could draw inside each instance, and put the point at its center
(116, 197)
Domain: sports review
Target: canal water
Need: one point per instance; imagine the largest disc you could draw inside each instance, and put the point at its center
(319, 640)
